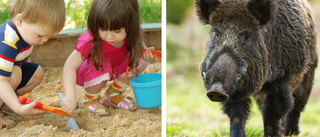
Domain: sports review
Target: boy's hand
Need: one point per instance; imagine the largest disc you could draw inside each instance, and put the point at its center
(69, 105)
(148, 56)
(28, 109)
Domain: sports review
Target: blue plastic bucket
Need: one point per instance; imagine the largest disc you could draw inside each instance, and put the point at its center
(147, 90)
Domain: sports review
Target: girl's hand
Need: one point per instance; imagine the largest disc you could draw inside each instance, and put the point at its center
(28, 109)
(148, 56)
(69, 105)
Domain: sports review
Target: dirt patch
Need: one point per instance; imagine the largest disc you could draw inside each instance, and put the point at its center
(143, 122)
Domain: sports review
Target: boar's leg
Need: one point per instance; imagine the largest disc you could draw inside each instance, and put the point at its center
(291, 124)
(278, 103)
(301, 96)
(238, 112)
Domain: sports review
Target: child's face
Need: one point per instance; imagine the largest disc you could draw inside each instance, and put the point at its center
(33, 34)
(115, 37)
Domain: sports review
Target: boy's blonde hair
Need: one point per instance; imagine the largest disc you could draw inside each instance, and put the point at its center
(46, 13)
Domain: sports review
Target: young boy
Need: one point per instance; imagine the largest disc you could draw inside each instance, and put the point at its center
(31, 23)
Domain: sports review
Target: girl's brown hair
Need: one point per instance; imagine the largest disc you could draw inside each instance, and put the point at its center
(47, 13)
(113, 15)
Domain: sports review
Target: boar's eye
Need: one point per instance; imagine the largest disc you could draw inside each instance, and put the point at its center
(217, 36)
(245, 38)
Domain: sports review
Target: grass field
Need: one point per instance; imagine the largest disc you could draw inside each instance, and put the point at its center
(191, 113)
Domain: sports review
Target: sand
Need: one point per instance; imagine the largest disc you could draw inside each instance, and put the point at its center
(143, 122)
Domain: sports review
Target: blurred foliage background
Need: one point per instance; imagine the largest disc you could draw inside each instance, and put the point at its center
(189, 111)
(77, 11)
(176, 10)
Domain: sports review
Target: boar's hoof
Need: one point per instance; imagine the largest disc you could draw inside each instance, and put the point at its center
(217, 96)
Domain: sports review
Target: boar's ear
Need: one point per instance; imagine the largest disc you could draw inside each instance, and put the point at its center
(262, 10)
(204, 8)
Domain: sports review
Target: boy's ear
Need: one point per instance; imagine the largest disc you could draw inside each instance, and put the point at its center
(204, 8)
(18, 20)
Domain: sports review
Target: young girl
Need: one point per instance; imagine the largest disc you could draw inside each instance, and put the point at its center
(112, 43)
(31, 23)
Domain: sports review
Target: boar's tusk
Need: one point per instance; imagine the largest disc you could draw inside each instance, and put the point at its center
(204, 74)
(238, 76)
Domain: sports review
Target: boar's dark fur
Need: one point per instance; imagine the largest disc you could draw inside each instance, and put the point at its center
(260, 48)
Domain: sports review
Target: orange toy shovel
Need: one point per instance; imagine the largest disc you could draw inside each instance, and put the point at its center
(56, 110)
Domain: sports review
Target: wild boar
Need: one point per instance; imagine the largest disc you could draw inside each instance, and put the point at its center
(260, 48)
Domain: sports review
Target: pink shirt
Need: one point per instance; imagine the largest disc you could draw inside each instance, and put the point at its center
(114, 55)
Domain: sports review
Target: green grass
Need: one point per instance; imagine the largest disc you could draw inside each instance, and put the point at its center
(188, 106)
(251, 131)
(191, 113)
(77, 12)
(177, 129)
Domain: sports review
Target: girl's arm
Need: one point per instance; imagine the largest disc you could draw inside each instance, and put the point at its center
(144, 45)
(9, 97)
(69, 81)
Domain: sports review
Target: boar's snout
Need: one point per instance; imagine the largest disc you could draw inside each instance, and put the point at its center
(220, 79)
(216, 93)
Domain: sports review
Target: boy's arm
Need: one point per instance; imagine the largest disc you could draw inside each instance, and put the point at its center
(9, 97)
(7, 94)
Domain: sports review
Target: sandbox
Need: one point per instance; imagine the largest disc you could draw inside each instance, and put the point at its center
(143, 122)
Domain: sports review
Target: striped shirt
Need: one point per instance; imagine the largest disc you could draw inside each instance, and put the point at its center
(13, 49)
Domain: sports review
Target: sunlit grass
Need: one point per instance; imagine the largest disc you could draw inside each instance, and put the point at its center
(190, 112)
(177, 130)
